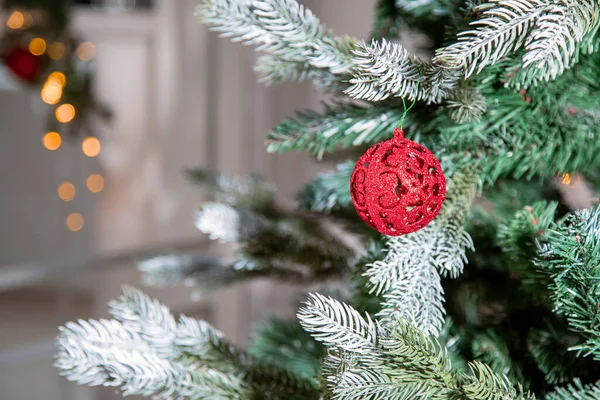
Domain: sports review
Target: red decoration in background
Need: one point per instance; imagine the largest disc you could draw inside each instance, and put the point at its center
(22, 63)
(398, 186)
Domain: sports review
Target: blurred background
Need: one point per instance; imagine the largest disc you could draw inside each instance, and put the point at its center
(80, 204)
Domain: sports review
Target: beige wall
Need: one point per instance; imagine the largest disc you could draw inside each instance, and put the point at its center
(181, 97)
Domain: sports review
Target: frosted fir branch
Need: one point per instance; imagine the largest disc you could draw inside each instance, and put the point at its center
(485, 384)
(409, 275)
(419, 354)
(550, 32)
(424, 7)
(338, 126)
(338, 325)
(570, 258)
(228, 224)
(108, 353)
(170, 269)
(383, 69)
(283, 28)
(219, 221)
(386, 69)
(553, 44)
(417, 297)
(81, 362)
(329, 190)
(274, 69)
(466, 105)
(201, 339)
(284, 342)
(208, 384)
(576, 391)
(149, 318)
(203, 273)
(146, 356)
(364, 361)
(501, 31)
(246, 192)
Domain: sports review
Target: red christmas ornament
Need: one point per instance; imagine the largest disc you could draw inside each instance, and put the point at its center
(22, 63)
(398, 186)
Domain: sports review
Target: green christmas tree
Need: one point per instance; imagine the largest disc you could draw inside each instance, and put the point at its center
(510, 99)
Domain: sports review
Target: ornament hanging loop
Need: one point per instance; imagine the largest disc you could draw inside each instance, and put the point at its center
(406, 110)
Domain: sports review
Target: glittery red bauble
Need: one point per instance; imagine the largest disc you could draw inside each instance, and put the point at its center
(398, 186)
(22, 63)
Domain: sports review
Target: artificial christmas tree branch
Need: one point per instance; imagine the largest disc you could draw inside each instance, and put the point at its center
(571, 258)
(287, 30)
(502, 110)
(339, 126)
(146, 352)
(409, 275)
(401, 364)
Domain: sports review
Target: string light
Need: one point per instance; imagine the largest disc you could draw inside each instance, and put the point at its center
(86, 51)
(56, 50)
(37, 46)
(52, 141)
(66, 191)
(91, 146)
(568, 180)
(65, 113)
(16, 20)
(51, 92)
(95, 183)
(74, 222)
(58, 77)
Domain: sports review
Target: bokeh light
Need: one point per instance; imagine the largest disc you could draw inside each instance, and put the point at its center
(95, 183)
(66, 191)
(65, 113)
(91, 146)
(570, 181)
(37, 46)
(52, 141)
(58, 77)
(56, 51)
(16, 20)
(86, 51)
(74, 222)
(51, 92)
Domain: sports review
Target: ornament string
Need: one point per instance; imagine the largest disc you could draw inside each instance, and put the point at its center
(406, 110)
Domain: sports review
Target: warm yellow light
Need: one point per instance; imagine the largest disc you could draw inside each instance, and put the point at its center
(74, 222)
(52, 141)
(65, 113)
(566, 179)
(570, 181)
(58, 77)
(16, 20)
(86, 51)
(95, 183)
(51, 92)
(66, 191)
(56, 50)
(37, 46)
(91, 146)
